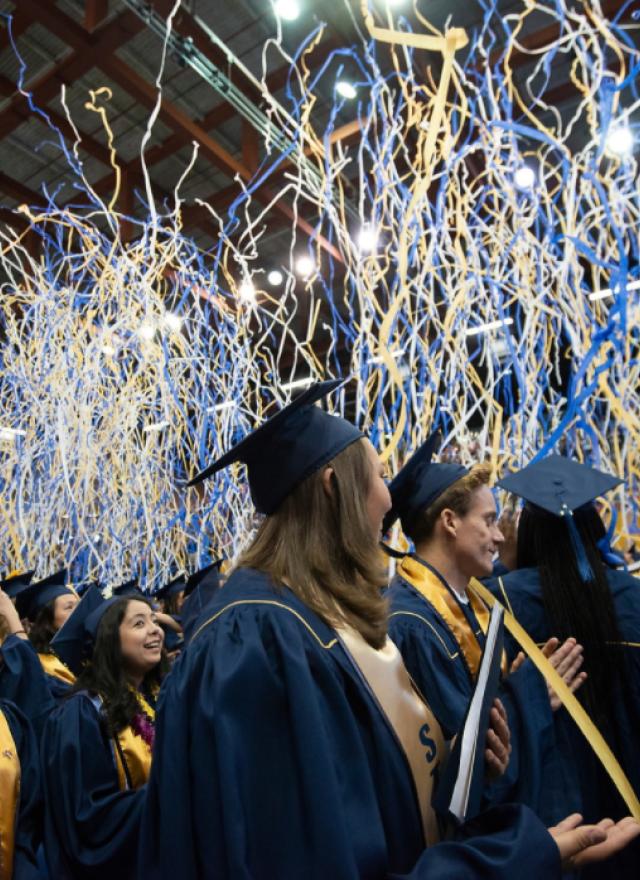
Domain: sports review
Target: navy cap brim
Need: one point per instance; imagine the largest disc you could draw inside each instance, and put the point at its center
(210, 572)
(128, 588)
(17, 582)
(173, 588)
(31, 599)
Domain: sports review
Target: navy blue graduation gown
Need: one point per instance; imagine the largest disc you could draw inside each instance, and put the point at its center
(438, 667)
(91, 826)
(28, 826)
(587, 789)
(273, 760)
(23, 681)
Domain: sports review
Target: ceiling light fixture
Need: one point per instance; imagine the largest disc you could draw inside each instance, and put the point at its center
(606, 291)
(345, 89)
(524, 177)
(275, 277)
(305, 267)
(247, 292)
(619, 142)
(490, 325)
(298, 383)
(367, 238)
(173, 322)
(147, 331)
(288, 10)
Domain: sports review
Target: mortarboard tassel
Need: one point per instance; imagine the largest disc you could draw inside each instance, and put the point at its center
(584, 567)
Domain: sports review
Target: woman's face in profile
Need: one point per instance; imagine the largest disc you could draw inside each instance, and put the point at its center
(378, 499)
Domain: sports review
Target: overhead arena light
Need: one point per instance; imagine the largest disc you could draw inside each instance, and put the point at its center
(247, 292)
(619, 142)
(298, 383)
(524, 177)
(378, 359)
(173, 322)
(305, 267)
(367, 238)
(275, 277)
(490, 325)
(147, 331)
(288, 10)
(346, 89)
(606, 291)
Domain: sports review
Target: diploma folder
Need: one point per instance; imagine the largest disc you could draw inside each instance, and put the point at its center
(459, 793)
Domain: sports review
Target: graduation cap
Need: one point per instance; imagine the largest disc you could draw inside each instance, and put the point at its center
(15, 583)
(288, 447)
(31, 599)
(203, 586)
(128, 588)
(209, 576)
(82, 588)
(71, 641)
(418, 484)
(174, 587)
(560, 486)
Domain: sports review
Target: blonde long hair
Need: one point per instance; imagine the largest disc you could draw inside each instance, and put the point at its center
(321, 546)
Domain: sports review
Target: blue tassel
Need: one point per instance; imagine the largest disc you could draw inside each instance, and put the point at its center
(584, 568)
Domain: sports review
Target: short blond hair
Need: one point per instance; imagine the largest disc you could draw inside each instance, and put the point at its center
(457, 498)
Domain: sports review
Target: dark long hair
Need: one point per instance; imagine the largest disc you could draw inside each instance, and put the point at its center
(573, 607)
(42, 629)
(105, 673)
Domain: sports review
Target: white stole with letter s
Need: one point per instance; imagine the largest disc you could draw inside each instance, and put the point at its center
(413, 722)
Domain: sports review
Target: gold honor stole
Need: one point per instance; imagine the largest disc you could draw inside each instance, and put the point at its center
(52, 665)
(568, 700)
(433, 590)
(131, 754)
(411, 719)
(133, 759)
(9, 797)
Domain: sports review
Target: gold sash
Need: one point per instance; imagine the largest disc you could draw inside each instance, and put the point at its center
(131, 750)
(9, 797)
(415, 726)
(431, 588)
(52, 665)
(569, 701)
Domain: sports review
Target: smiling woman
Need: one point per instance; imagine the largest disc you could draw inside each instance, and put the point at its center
(97, 744)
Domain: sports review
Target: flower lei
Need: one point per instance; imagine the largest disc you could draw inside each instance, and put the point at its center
(143, 722)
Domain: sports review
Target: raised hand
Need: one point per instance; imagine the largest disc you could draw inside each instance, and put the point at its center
(498, 742)
(566, 659)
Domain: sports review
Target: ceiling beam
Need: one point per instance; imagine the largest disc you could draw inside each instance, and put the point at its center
(20, 21)
(546, 36)
(105, 40)
(19, 191)
(95, 11)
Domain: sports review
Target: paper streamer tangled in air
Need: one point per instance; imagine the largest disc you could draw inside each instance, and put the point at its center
(126, 365)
